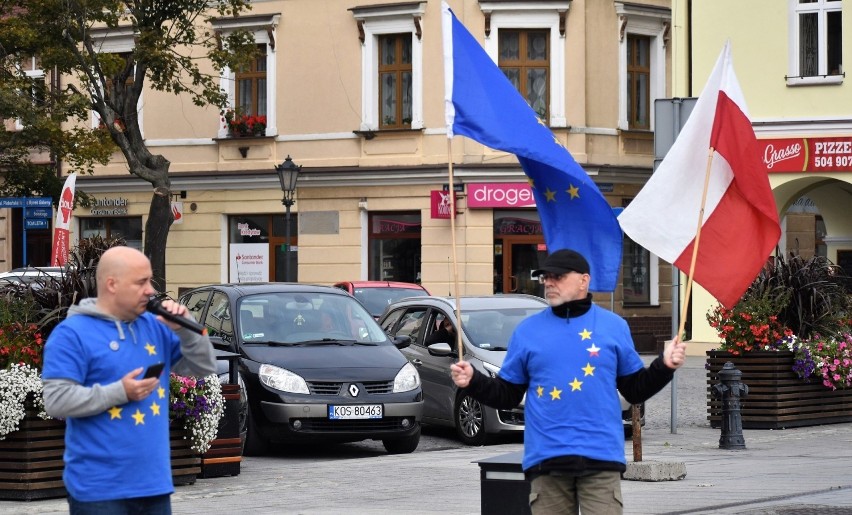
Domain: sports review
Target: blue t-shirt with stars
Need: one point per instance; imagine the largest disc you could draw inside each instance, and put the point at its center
(122, 452)
(570, 366)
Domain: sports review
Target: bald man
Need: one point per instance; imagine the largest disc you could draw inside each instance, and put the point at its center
(117, 438)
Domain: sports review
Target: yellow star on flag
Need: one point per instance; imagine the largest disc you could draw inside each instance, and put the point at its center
(550, 194)
(114, 412)
(575, 385)
(531, 182)
(161, 392)
(589, 369)
(594, 350)
(152, 351)
(539, 391)
(573, 191)
(585, 335)
(139, 417)
(155, 408)
(554, 394)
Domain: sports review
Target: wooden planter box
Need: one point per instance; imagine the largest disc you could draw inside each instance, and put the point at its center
(31, 460)
(225, 453)
(776, 398)
(31, 463)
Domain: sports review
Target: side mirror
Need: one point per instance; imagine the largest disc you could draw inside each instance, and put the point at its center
(401, 342)
(442, 350)
(220, 344)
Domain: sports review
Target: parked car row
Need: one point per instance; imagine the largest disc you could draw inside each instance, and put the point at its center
(315, 365)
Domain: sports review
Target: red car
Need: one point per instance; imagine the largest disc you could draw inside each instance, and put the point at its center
(377, 295)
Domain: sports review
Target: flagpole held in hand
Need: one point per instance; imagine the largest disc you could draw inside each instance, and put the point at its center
(455, 260)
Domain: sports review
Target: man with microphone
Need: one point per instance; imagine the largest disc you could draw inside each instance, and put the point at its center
(96, 367)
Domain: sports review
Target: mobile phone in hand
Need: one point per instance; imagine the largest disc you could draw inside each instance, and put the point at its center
(154, 370)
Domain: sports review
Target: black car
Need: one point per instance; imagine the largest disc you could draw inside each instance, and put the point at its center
(487, 325)
(314, 364)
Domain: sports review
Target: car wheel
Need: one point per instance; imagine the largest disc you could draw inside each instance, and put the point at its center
(405, 445)
(470, 421)
(255, 445)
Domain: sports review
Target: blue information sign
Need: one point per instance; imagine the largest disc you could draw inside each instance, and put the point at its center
(39, 212)
(37, 201)
(10, 202)
(36, 223)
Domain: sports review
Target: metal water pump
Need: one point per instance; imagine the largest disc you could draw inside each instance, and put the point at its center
(729, 390)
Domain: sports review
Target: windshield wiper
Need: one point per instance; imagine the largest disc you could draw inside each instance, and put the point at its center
(328, 341)
(274, 343)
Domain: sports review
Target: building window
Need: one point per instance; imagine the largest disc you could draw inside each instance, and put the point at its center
(638, 80)
(535, 33)
(128, 228)
(395, 81)
(391, 65)
(31, 67)
(269, 231)
(524, 58)
(816, 30)
(643, 31)
(640, 273)
(394, 243)
(253, 90)
(120, 42)
(250, 87)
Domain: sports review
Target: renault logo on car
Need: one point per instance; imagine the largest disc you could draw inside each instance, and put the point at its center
(353, 390)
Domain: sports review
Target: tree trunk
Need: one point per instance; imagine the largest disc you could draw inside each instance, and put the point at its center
(160, 219)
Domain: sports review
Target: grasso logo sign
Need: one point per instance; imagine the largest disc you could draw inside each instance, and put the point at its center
(500, 194)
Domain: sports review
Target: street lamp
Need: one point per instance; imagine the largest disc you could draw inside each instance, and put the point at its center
(288, 174)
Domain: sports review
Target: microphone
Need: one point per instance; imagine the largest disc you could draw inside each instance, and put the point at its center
(155, 306)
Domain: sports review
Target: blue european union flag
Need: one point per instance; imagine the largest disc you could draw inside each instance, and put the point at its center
(483, 105)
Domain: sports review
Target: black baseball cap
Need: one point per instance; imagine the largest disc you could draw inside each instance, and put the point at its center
(563, 261)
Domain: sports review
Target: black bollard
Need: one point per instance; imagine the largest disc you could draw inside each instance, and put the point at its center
(729, 390)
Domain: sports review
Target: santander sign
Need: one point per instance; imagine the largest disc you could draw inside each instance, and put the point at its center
(499, 194)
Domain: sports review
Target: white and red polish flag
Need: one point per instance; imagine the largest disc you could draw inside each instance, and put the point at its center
(740, 224)
(62, 225)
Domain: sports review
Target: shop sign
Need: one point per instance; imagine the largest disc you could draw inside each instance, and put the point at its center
(110, 207)
(385, 226)
(500, 195)
(517, 226)
(249, 262)
(246, 230)
(177, 212)
(441, 204)
(806, 154)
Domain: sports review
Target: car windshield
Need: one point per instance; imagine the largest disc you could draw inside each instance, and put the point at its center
(377, 299)
(311, 318)
(492, 329)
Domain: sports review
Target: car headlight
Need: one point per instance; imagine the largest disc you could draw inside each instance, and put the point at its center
(282, 379)
(492, 369)
(406, 379)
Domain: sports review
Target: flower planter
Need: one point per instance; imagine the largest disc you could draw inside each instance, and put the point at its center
(31, 460)
(225, 453)
(776, 398)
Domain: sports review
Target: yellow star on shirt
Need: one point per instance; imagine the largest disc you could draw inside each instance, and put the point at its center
(155, 408)
(585, 335)
(539, 391)
(139, 417)
(575, 385)
(573, 191)
(554, 394)
(594, 350)
(589, 369)
(114, 412)
(161, 392)
(550, 194)
(152, 351)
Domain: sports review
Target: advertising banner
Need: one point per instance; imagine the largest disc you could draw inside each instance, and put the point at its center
(61, 228)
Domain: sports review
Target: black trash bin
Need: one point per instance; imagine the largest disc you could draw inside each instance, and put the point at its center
(504, 488)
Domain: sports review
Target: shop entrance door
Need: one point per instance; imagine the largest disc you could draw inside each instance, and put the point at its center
(515, 257)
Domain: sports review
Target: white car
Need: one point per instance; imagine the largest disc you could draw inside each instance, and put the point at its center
(31, 274)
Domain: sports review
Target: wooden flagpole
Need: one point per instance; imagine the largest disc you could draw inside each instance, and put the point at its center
(695, 246)
(455, 260)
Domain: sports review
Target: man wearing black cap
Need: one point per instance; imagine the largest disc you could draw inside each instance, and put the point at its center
(571, 361)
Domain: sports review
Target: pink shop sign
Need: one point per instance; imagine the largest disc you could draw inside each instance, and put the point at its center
(500, 195)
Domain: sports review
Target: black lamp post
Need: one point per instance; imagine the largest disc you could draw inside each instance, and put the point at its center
(288, 174)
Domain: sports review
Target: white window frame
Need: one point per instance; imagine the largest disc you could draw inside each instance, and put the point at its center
(642, 21)
(117, 41)
(533, 15)
(34, 73)
(821, 7)
(389, 19)
(263, 28)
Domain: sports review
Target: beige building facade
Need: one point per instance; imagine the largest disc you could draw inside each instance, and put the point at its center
(788, 57)
(353, 92)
